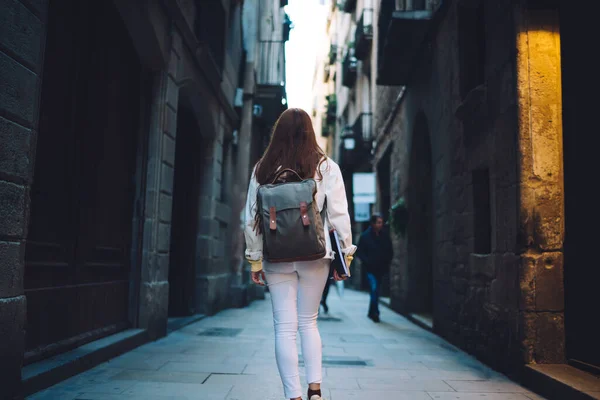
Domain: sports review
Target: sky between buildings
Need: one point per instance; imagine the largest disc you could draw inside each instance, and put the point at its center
(309, 18)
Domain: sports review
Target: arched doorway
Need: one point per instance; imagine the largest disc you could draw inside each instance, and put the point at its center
(185, 210)
(420, 226)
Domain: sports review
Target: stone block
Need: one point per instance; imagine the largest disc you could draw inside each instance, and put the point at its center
(155, 267)
(207, 226)
(541, 282)
(204, 247)
(21, 32)
(149, 235)
(164, 237)
(153, 169)
(548, 217)
(12, 209)
(151, 204)
(11, 269)
(168, 151)
(154, 307)
(482, 265)
(12, 344)
(223, 212)
(212, 293)
(549, 283)
(504, 290)
(166, 178)
(170, 122)
(174, 65)
(172, 93)
(14, 152)
(550, 340)
(165, 207)
(18, 90)
(527, 283)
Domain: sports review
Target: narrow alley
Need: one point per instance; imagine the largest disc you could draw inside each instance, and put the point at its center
(231, 356)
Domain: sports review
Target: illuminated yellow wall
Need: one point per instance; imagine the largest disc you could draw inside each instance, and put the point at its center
(541, 208)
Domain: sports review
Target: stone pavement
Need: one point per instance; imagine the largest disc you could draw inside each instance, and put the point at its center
(231, 356)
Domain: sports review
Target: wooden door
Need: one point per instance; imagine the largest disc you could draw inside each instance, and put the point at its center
(77, 262)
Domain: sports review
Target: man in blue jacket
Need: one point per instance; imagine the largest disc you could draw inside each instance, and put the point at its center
(375, 253)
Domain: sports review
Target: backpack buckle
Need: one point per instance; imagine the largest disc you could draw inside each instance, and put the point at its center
(304, 213)
(272, 219)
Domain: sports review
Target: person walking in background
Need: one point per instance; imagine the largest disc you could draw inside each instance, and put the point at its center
(296, 287)
(375, 253)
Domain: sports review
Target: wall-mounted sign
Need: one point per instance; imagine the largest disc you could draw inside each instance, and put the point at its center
(364, 187)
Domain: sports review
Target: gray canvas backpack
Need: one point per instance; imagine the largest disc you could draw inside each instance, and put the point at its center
(289, 219)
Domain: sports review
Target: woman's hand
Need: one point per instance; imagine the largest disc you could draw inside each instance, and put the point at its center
(258, 277)
(337, 276)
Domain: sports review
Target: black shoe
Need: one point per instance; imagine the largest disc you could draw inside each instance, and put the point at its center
(374, 317)
(325, 308)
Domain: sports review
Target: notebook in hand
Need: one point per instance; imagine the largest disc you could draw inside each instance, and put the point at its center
(339, 261)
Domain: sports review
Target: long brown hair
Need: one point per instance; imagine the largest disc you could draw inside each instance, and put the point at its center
(293, 145)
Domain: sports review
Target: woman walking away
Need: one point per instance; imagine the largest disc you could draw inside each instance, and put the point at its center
(296, 286)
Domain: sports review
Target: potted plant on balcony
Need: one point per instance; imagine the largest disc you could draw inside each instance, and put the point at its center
(399, 217)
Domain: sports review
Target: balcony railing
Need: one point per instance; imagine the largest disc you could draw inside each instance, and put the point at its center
(364, 34)
(271, 63)
(349, 66)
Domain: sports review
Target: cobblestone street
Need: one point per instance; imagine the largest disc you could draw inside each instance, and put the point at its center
(231, 356)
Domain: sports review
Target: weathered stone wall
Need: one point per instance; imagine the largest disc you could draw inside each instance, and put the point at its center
(475, 296)
(22, 35)
(541, 198)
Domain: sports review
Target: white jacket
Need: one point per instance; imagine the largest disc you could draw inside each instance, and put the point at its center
(332, 187)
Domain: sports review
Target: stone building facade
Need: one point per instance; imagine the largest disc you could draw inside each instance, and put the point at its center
(476, 123)
(123, 130)
(478, 115)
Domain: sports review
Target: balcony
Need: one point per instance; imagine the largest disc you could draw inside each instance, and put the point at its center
(347, 5)
(349, 66)
(402, 34)
(364, 34)
(331, 112)
(326, 72)
(357, 142)
(333, 50)
(270, 81)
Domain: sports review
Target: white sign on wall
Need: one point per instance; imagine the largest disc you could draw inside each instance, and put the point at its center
(364, 187)
(362, 212)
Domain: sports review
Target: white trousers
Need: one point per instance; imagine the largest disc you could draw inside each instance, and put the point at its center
(296, 297)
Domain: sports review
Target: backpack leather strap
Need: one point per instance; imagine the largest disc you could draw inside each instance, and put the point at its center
(272, 219)
(283, 171)
(304, 213)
